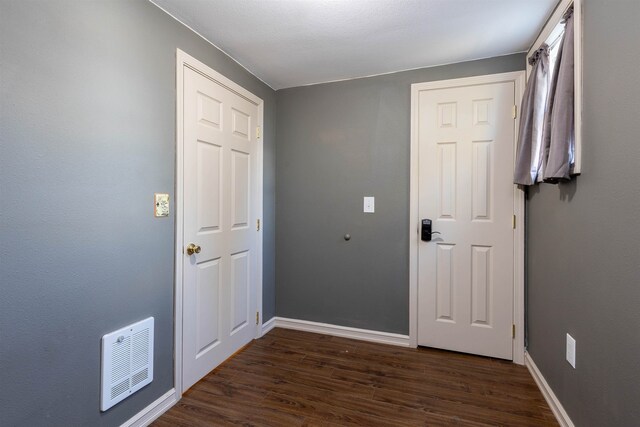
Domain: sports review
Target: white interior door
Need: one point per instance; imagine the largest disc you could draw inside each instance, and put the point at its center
(466, 273)
(220, 185)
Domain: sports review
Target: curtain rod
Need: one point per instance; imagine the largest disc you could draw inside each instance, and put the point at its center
(570, 4)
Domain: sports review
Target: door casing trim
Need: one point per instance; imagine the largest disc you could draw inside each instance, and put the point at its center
(518, 78)
(185, 60)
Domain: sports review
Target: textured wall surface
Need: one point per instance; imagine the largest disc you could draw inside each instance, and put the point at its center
(87, 135)
(584, 239)
(338, 142)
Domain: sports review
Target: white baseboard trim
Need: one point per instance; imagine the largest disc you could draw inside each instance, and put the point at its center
(342, 331)
(268, 325)
(153, 411)
(549, 395)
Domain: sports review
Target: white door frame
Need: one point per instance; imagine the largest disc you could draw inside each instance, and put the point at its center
(185, 60)
(518, 78)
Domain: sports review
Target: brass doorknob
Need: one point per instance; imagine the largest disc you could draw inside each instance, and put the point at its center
(193, 249)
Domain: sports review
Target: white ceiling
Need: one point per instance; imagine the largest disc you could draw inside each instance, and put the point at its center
(299, 42)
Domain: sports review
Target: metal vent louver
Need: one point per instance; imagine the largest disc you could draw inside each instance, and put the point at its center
(127, 362)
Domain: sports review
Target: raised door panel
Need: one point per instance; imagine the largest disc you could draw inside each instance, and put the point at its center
(209, 111)
(240, 186)
(447, 114)
(207, 296)
(209, 186)
(481, 285)
(482, 111)
(447, 187)
(240, 123)
(481, 177)
(240, 282)
(445, 282)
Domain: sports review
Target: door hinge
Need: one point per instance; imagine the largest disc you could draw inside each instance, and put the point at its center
(258, 132)
(258, 225)
(513, 331)
(257, 317)
(513, 222)
(515, 111)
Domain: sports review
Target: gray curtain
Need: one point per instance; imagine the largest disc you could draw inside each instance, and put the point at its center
(559, 129)
(532, 114)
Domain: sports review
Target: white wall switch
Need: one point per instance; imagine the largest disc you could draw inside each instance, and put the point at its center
(161, 204)
(571, 351)
(369, 204)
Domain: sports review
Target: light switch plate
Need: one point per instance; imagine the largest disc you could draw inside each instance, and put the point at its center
(161, 204)
(369, 204)
(571, 351)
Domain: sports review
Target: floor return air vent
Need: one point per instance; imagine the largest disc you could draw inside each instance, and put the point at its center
(127, 362)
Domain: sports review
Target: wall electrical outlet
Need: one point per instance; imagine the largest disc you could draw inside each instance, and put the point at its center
(571, 351)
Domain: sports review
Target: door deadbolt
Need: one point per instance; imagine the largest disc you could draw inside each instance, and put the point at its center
(425, 231)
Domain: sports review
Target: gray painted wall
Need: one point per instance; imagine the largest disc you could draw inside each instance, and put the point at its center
(338, 142)
(87, 133)
(584, 238)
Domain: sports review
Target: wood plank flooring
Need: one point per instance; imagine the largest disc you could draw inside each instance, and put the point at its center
(292, 378)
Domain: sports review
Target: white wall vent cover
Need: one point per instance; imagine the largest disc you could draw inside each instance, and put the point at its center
(127, 362)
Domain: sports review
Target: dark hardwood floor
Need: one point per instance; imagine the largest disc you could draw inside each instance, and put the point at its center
(292, 378)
